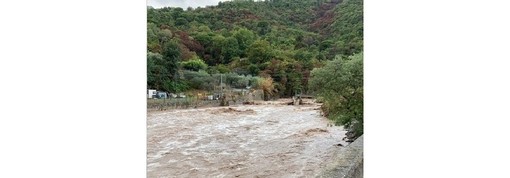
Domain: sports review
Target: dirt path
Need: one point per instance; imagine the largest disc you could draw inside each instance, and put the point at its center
(272, 140)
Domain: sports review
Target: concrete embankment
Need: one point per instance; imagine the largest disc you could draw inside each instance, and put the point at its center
(348, 163)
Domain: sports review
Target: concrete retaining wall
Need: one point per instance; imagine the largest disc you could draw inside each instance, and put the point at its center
(348, 164)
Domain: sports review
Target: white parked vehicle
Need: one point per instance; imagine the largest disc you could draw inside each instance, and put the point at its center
(151, 93)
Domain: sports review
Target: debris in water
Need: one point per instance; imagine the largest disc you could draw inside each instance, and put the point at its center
(232, 110)
(316, 130)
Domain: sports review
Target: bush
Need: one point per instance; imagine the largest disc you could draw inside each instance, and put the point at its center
(219, 69)
(199, 80)
(267, 86)
(175, 86)
(194, 64)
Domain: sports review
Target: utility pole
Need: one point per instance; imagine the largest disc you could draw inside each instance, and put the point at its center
(223, 99)
(221, 84)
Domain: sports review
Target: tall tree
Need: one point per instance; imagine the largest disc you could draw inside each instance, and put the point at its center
(230, 49)
(244, 38)
(171, 57)
(156, 71)
(340, 85)
(260, 51)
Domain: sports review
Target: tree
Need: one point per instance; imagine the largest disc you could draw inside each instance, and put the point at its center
(152, 37)
(181, 21)
(218, 43)
(260, 51)
(229, 50)
(156, 72)
(244, 38)
(340, 85)
(171, 57)
(164, 36)
(302, 55)
(263, 27)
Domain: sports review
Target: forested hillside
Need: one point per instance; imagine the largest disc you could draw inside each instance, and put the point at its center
(278, 40)
(279, 46)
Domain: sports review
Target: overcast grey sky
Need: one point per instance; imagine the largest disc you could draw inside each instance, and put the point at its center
(182, 3)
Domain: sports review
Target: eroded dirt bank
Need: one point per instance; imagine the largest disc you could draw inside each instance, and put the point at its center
(267, 140)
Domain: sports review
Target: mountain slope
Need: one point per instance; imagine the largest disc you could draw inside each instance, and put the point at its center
(281, 39)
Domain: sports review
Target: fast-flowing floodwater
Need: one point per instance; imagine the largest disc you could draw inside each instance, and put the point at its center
(267, 140)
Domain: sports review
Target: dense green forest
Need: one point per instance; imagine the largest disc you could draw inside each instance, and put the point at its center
(291, 45)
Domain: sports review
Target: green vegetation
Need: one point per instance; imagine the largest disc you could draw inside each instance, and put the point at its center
(273, 45)
(194, 64)
(339, 84)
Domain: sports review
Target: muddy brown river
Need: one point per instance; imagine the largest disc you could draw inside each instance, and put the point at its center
(267, 140)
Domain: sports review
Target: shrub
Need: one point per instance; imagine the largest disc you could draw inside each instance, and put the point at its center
(194, 64)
